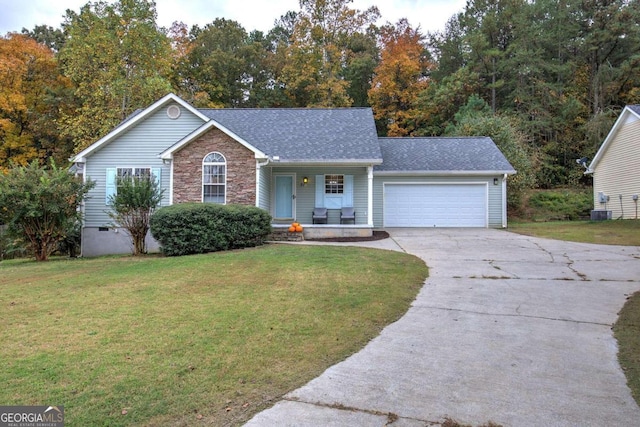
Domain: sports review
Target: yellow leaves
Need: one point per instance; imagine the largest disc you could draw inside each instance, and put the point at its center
(399, 78)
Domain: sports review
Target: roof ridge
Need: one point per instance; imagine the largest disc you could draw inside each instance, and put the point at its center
(410, 138)
(285, 108)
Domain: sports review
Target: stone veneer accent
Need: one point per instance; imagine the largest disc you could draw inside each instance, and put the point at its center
(241, 169)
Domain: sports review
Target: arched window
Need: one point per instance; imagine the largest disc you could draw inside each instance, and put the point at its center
(214, 178)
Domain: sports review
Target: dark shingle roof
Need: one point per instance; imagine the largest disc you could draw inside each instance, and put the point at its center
(634, 108)
(471, 154)
(307, 135)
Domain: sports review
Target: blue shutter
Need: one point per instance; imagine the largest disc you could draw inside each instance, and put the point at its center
(347, 196)
(319, 191)
(110, 184)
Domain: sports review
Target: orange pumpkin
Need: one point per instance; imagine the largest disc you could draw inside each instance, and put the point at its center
(295, 224)
(292, 229)
(298, 228)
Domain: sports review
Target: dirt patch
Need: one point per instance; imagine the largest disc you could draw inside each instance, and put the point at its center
(377, 235)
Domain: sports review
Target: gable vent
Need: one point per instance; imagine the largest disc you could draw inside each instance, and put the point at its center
(173, 112)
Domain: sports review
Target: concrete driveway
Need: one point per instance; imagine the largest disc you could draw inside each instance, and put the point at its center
(508, 328)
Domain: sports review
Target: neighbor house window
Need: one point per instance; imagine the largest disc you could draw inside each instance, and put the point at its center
(334, 184)
(214, 178)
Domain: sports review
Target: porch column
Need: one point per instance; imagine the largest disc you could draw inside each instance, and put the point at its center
(370, 196)
(504, 201)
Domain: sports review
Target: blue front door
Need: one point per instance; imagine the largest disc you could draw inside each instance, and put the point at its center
(284, 196)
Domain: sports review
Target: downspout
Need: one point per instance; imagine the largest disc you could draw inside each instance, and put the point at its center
(504, 201)
(258, 167)
(370, 195)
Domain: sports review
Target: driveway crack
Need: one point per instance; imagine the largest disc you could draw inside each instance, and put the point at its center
(570, 263)
(528, 316)
(391, 417)
(545, 250)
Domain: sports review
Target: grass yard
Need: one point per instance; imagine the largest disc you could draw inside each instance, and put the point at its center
(627, 332)
(620, 232)
(207, 339)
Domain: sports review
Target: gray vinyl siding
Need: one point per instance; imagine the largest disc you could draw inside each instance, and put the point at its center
(265, 189)
(495, 209)
(306, 195)
(138, 147)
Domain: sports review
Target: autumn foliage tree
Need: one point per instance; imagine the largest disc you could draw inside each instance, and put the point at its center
(32, 91)
(561, 70)
(321, 50)
(401, 75)
(119, 61)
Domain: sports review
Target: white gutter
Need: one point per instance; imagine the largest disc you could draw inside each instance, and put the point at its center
(444, 173)
(342, 163)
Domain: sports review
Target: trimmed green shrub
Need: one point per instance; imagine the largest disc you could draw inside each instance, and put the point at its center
(192, 228)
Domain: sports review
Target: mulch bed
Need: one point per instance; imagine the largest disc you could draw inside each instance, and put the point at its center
(377, 235)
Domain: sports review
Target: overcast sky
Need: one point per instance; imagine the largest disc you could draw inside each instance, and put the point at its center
(431, 15)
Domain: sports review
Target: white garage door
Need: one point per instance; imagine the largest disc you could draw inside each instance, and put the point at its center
(439, 205)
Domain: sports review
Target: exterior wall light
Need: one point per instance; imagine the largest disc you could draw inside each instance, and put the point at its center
(305, 181)
(495, 181)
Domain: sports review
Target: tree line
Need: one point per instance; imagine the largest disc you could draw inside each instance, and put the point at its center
(544, 78)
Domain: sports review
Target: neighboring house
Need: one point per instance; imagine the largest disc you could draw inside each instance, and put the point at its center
(289, 161)
(616, 180)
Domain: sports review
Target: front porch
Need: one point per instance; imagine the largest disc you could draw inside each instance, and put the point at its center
(319, 231)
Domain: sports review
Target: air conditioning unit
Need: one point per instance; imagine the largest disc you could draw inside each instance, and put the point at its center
(602, 198)
(600, 215)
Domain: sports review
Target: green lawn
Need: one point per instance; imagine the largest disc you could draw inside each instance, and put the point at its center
(208, 339)
(627, 332)
(621, 232)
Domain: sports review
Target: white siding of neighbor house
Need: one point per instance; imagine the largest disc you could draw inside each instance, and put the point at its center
(494, 209)
(306, 195)
(138, 147)
(617, 172)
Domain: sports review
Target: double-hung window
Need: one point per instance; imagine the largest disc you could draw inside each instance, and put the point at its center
(334, 191)
(132, 173)
(114, 177)
(334, 184)
(214, 178)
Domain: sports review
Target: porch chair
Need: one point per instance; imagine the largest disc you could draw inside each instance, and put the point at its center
(319, 216)
(347, 214)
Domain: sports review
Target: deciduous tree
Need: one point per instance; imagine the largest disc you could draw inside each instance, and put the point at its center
(477, 119)
(32, 100)
(40, 205)
(214, 73)
(314, 74)
(132, 206)
(118, 59)
(401, 75)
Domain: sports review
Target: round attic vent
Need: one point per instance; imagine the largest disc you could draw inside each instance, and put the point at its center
(173, 112)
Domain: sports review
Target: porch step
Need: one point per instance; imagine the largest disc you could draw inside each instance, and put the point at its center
(284, 235)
